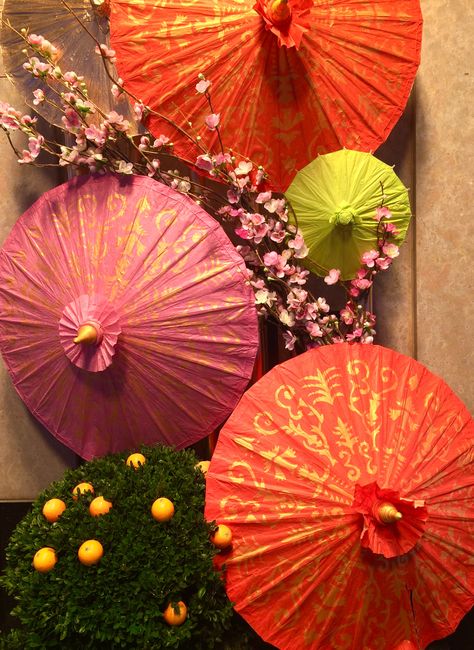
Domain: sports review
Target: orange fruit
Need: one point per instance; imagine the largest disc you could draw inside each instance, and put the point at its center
(203, 465)
(45, 559)
(222, 538)
(162, 509)
(136, 460)
(99, 506)
(53, 509)
(90, 552)
(82, 488)
(175, 613)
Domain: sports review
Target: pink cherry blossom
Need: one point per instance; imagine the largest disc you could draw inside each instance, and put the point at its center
(222, 158)
(391, 228)
(203, 86)
(105, 52)
(153, 166)
(233, 196)
(35, 144)
(381, 213)
(138, 110)
(212, 121)
(298, 245)
(124, 167)
(116, 89)
(26, 157)
(72, 79)
(38, 96)
(347, 314)
(243, 168)
(95, 135)
(161, 141)
(355, 334)
(383, 263)
(144, 143)
(333, 276)
(271, 259)
(204, 162)
(263, 197)
(286, 317)
(118, 121)
(369, 258)
(314, 330)
(361, 283)
(322, 305)
(390, 250)
(71, 119)
(290, 340)
(259, 176)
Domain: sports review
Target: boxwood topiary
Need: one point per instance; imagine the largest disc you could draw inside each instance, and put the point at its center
(118, 603)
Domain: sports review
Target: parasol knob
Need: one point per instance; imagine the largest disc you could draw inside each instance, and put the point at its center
(388, 514)
(101, 7)
(87, 334)
(279, 11)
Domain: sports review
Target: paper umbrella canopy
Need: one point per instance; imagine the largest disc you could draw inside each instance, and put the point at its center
(75, 43)
(125, 315)
(335, 200)
(347, 478)
(289, 79)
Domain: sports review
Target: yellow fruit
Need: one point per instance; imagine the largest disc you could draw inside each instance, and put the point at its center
(136, 460)
(203, 465)
(45, 559)
(162, 509)
(99, 506)
(222, 538)
(53, 509)
(174, 618)
(81, 489)
(90, 552)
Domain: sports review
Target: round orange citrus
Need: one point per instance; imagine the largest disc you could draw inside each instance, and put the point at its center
(175, 613)
(82, 488)
(99, 506)
(162, 509)
(222, 538)
(203, 465)
(45, 559)
(136, 460)
(90, 552)
(53, 509)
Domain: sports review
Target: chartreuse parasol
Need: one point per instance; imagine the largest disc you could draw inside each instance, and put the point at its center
(335, 199)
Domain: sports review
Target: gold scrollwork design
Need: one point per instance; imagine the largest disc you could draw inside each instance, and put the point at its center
(264, 423)
(325, 385)
(237, 474)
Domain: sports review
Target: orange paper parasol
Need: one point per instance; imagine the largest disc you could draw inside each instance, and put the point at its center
(289, 80)
(347, 478)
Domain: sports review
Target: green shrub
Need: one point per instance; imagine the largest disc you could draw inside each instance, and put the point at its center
(118, 603)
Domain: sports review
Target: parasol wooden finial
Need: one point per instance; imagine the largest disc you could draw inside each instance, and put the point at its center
(86, 334)
(279, 11)
(388, 514)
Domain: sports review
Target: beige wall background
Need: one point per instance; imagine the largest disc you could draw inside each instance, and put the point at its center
(424, 303)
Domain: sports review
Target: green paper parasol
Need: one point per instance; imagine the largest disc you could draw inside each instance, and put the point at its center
(335, 199)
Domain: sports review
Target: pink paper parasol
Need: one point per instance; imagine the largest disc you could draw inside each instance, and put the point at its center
(126, 315)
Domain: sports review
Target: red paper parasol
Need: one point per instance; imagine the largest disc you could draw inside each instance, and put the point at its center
(332, 74)
(156, 293)
(347, 478)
